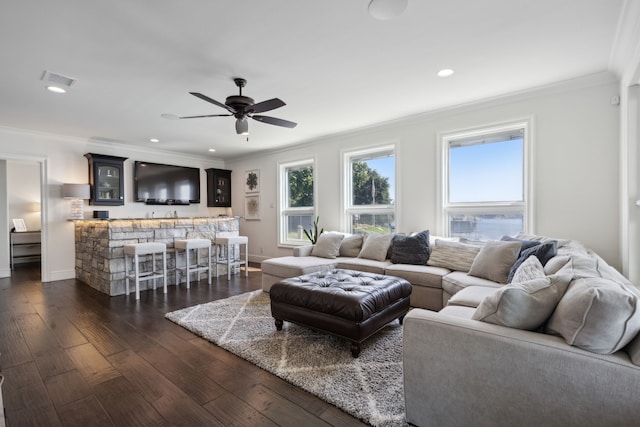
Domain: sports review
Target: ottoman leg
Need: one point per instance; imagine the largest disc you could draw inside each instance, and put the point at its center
(279, 324)
(355, 349)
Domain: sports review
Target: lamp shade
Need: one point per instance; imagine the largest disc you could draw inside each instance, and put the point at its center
(387, 9)
(76, 191)
(242, 126)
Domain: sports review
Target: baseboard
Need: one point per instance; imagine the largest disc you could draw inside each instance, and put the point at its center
(257, 258)
(5, 272)
(61, 275)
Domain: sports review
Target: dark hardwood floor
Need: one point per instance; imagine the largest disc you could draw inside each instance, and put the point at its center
(72, 356)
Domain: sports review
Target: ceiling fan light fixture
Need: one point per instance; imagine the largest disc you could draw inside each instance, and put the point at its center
(242, 126)
(387, 9)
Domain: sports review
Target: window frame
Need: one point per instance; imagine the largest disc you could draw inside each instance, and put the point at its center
(348, 209)
(525, 206)
(284, 211)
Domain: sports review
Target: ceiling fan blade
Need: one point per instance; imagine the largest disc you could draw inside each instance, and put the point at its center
(213, 101)
(208, 115)
(169, 116)
(270, 104)
(275, 121)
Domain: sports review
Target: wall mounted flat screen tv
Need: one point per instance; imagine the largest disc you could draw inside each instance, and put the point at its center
(160, 184)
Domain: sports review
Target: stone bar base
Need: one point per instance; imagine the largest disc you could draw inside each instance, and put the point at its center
(100, 253)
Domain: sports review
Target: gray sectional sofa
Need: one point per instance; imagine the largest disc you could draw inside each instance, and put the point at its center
(558, 346)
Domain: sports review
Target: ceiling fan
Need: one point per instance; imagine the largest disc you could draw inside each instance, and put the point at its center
(241, 107)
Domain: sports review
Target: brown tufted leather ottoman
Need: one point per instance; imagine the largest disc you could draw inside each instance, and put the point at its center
(349, 304)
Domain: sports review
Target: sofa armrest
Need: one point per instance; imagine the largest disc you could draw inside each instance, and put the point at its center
(302, 250)
(464, 372)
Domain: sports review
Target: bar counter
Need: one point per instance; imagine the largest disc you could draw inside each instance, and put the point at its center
(99, 245)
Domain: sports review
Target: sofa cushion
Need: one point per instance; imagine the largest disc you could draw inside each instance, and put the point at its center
(471, 296)
(418, 274)
(454, 256)
(525, 305)
(291, 266)
(555, 264)
(456, 281)
(363, 264)
(530, 269)
(375, 246)
(351, 245)
(544, 252)
(495, 259)
(413, 249)
(327, 245)
(597, 315)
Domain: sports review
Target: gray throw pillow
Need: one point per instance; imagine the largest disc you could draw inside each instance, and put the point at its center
(327, 245)
(375, 246)
(412, 249)
(525, 305)
(494, 260)
(597, 315)
(351, 245)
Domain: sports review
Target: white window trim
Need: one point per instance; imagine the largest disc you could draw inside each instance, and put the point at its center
(283, 210)
(346, 182)
(443, 152)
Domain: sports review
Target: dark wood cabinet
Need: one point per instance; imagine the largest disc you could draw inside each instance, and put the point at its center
(218, 188)
(106, 178)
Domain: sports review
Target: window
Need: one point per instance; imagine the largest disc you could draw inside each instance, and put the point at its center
(297, 201)
(485, 178)
(370, 205)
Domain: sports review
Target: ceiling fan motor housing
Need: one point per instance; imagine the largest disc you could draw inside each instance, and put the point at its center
(239, 102)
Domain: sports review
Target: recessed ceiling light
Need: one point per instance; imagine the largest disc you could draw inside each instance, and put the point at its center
(445, 72)
(212, 149)
(56, 89)
(154, 140)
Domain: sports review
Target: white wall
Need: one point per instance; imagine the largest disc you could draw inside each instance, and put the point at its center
(62, 160)
(575, 166)
(23, 192)
(5, 270)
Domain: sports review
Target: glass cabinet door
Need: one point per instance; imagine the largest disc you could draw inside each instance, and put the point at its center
(218, 188)
(108, 183)
(106, 179)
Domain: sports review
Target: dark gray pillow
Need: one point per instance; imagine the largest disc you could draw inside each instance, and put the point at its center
(411, 249)
(544, 252)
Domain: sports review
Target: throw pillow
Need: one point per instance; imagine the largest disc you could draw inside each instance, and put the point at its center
(495, 260)
(544, 252)
(327, 245)
(454, 256)
(530, 269)
(525, 305)
(351, 245)
(597, 315)
(375, 246)
(526, 244)
(412, 249)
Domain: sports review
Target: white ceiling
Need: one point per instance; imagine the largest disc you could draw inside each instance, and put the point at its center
(335, 66)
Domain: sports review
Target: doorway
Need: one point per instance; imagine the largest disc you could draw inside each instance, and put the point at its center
(24, 203)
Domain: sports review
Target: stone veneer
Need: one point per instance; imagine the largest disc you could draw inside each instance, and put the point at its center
(100, 246)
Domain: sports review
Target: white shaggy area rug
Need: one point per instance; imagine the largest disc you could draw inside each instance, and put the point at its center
(369, 387)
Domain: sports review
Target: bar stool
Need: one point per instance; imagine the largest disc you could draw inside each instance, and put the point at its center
(186, 246)
(138, 252)
(229, 243)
